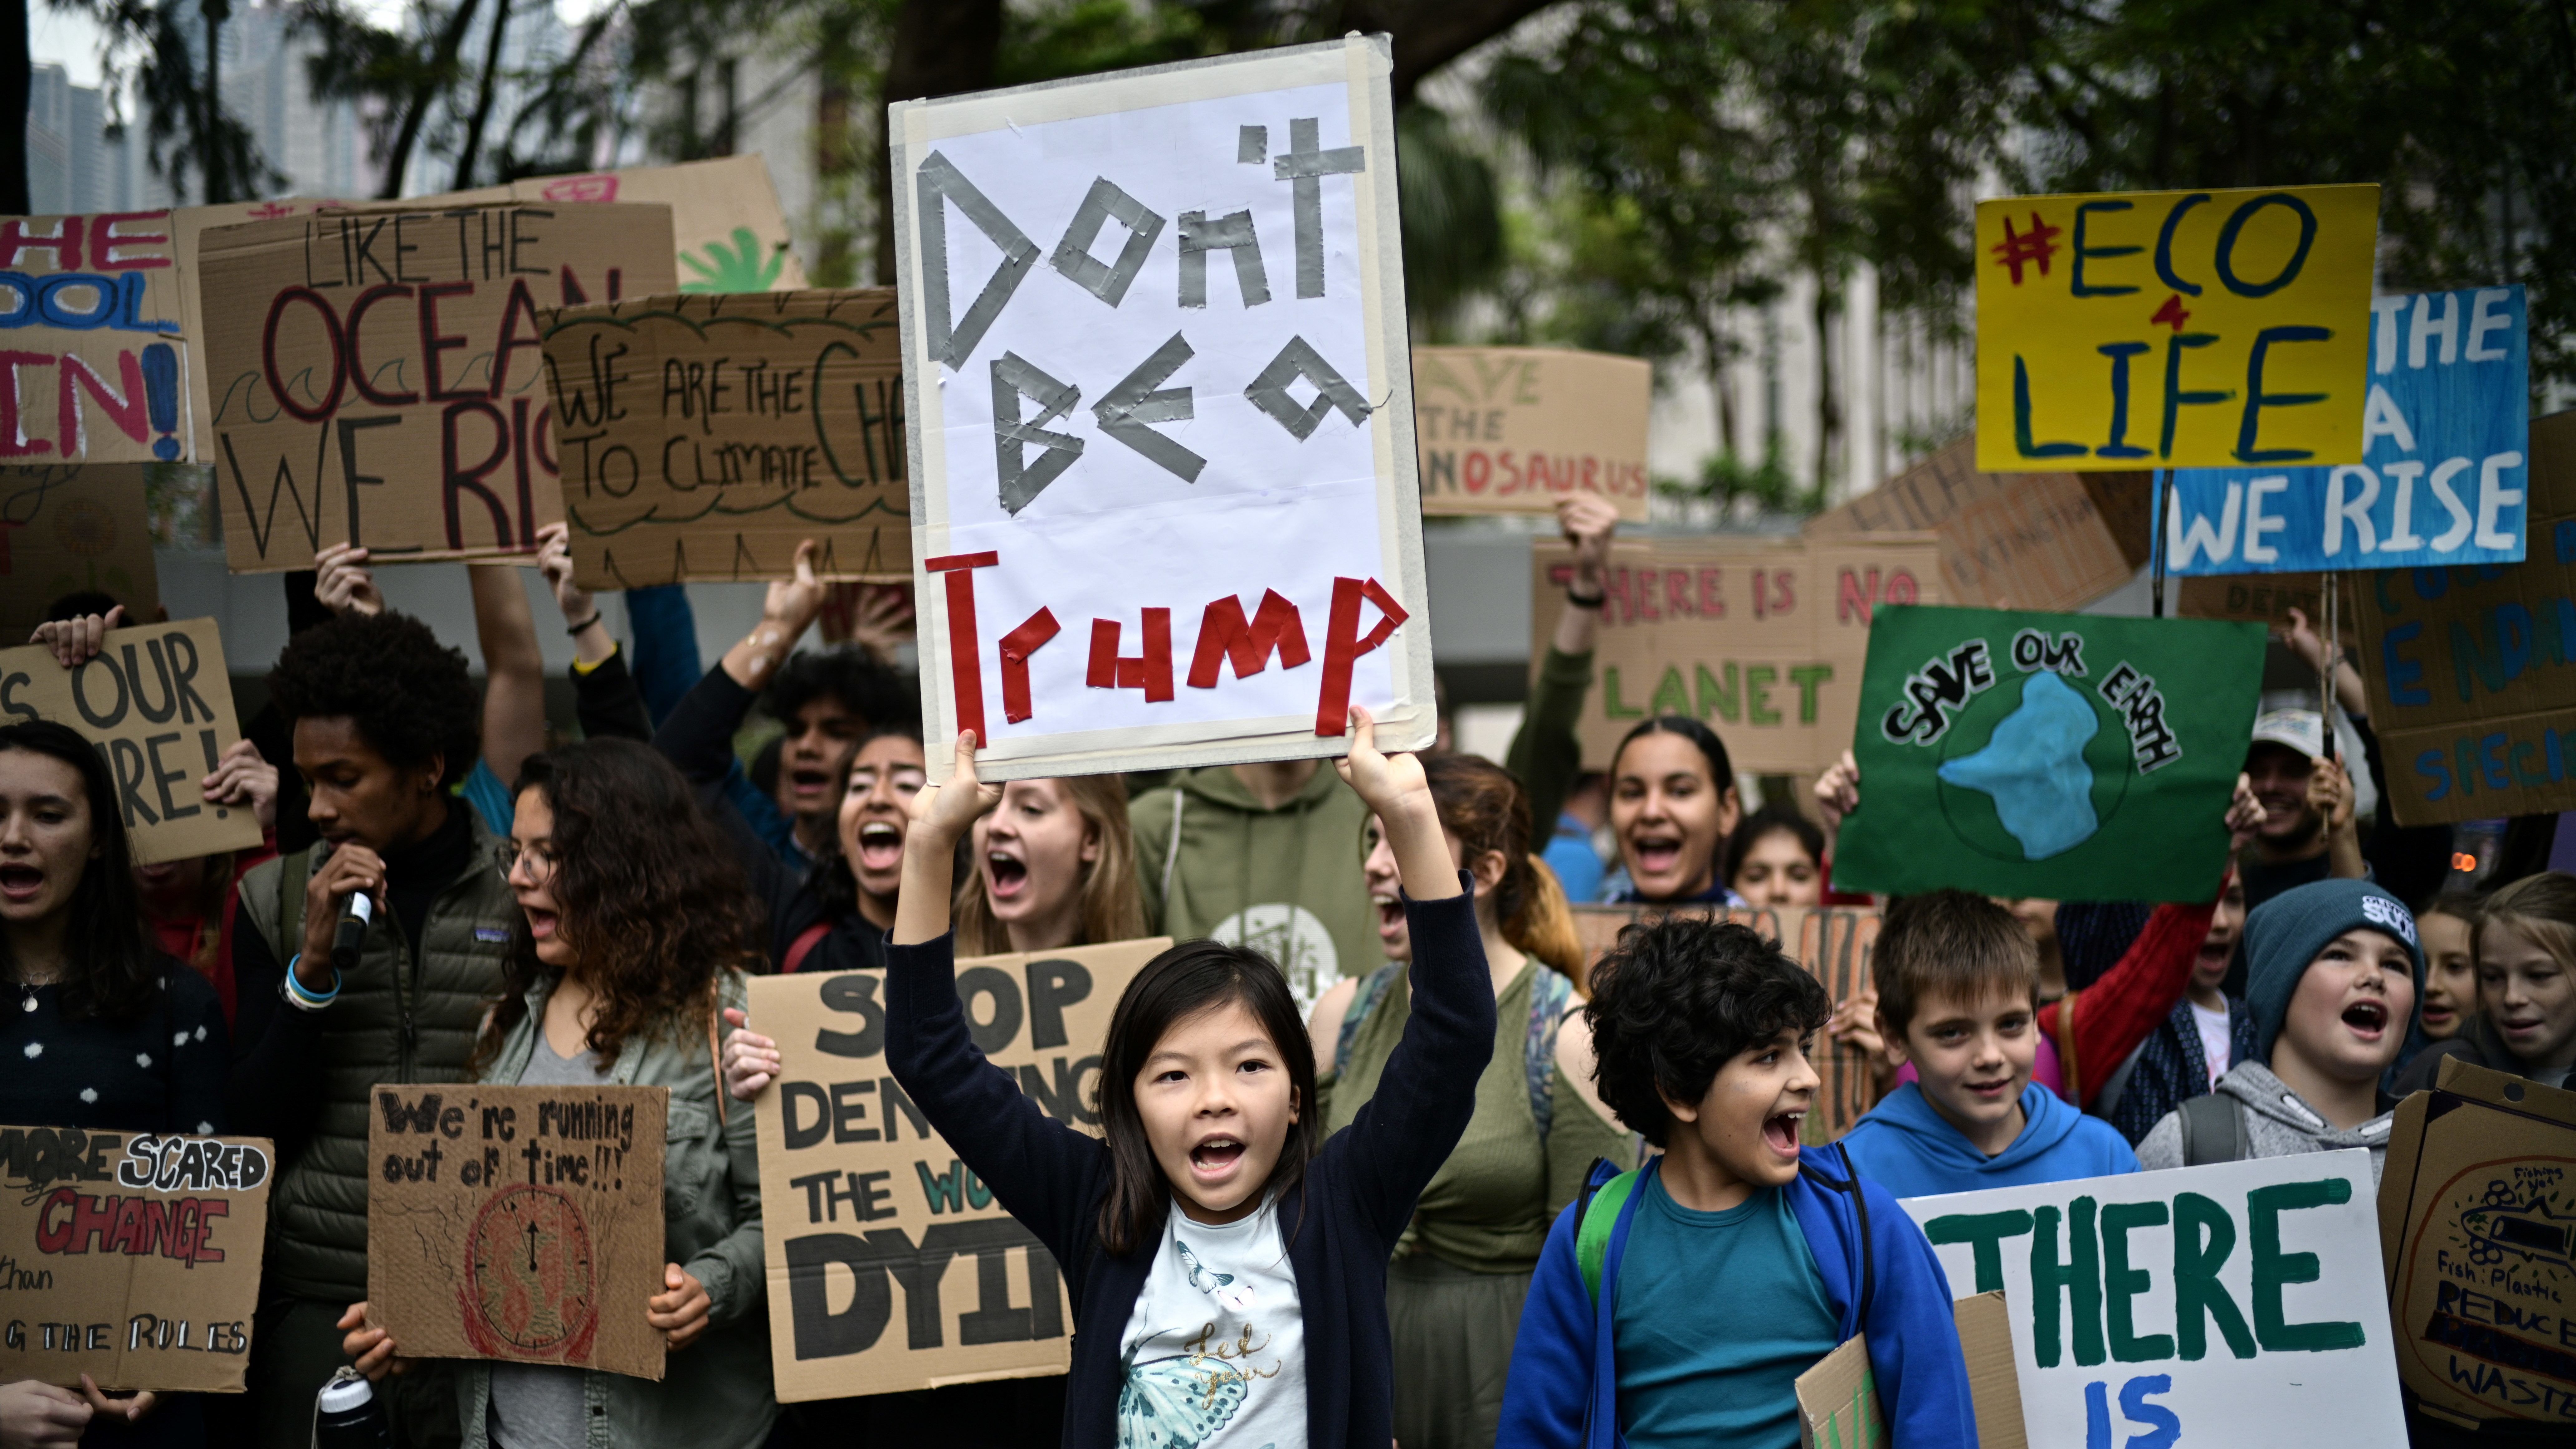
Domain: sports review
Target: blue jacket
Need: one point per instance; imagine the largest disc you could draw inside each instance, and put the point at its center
(1907, 1148)
(1564, 1384)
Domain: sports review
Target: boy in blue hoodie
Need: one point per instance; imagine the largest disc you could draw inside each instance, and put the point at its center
(1958, 996)
(1677, 1305)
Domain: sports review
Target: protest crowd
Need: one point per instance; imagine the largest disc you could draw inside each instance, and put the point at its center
(1450, 1102)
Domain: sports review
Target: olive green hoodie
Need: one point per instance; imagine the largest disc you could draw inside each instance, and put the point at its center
(1213, 861)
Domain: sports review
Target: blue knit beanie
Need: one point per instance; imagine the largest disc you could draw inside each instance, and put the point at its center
(2285, 933)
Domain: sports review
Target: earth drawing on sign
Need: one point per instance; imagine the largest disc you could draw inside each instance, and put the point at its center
(2034, 770)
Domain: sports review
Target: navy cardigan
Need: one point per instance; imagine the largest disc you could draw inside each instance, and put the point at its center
(1358, 1195)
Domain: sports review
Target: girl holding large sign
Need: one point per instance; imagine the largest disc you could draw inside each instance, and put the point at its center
(635, 927)
(1229, 1265)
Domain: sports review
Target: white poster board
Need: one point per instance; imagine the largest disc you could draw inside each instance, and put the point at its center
(1161, 415)
(2277, 1334)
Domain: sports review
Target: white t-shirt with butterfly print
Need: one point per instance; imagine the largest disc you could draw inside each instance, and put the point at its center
(1215, 1353)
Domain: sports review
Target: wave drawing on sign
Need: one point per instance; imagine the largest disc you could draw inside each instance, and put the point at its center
(2034, 769)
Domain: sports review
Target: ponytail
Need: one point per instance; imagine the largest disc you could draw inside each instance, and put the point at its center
(1543, 927)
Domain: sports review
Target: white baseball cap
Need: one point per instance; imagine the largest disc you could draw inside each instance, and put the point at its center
(2303, 730)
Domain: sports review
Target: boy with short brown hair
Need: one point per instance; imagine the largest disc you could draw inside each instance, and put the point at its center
(1958, 997)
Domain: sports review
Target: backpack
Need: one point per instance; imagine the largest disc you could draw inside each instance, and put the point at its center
(1550, 994)
(1598, 1209)
(2213, 1130)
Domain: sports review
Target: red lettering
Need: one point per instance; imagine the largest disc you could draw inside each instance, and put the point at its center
(433, 342)
(107, 245)
(126, 410)
(321, 306)
(457, 481)
(361, 374)
(1343, 646)
(1225, 637)
(14, 442)
(1712, 604)
(64, 241)
(1032, 635)
(1150, 670)
(520, 304)
(965, 656)
(1677, 591)
(1854, 596)
(1901, 588)
(54, 1221)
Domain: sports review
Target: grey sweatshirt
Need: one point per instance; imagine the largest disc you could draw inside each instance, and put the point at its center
(2277, 1124)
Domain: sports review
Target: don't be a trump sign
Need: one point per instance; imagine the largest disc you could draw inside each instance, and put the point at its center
(1163, 465)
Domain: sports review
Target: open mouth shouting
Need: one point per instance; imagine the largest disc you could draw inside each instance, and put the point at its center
(1390, 916)
(542, 923)
(880, 846)
(1654, 853)
(1780, 1132)
(809, 786)
(1006, 875)
(2367, 1019)
(21, 884)
(1214, 1159)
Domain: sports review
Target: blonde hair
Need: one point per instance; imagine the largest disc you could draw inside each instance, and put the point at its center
(1112, 906)
(2539, 908)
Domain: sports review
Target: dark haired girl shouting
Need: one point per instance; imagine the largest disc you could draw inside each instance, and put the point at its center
(1228, 1267)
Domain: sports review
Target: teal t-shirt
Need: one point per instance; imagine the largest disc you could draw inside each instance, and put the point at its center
(1717, 1315)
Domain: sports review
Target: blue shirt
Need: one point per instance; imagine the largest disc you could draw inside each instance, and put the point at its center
(1717, 1315)
(1576, 863)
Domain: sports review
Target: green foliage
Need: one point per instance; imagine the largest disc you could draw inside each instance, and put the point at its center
(1447, 202)
(188, 132)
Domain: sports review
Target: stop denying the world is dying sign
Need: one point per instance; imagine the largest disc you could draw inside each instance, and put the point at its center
(1163, 466)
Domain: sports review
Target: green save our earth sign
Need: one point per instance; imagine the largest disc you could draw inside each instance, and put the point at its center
(2062, 756)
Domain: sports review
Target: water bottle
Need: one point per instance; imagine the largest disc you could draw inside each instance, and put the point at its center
(348, 1415)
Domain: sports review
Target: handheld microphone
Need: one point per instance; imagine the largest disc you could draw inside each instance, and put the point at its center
(356, 911)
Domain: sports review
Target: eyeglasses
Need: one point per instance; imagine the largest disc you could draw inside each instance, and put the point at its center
(506, 854)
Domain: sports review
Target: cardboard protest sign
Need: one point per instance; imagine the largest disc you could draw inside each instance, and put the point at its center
(2173, 329)
(838, 1135)
(2027, 541)
(2477, 1224)
(728, 232)
(2265, 599)
(518, 1223)
(1762, 639)
(69, 528)
(378, 376)
(1185, 442)
(2237, 1303)
(157, 703)
(2066, 756)
(1514, 429)
(93, 358)
(133, 1259)
(1838, 1406)
(701, 437)
(2447, 426)
(1834, 943)
(2472, 671)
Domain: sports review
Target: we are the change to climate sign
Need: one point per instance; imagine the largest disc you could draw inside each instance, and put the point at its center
(2445, 479)
(2173, 329)
(1163, 462)
(2068, 756)
(890, 1265)
(2239, 1303)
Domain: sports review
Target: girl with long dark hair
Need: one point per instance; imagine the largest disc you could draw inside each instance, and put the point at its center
(101, 1031)
(635, 929)
(1211, 1213)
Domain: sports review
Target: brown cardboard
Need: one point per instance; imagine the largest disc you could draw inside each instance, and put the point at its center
(158, 704)
(422, 432)
(2008, 541)
(93, 355)
(1761, 638)
(1834, 943)
(715, 205)
(72, 527)
(2477, 1223)
(2264, 599)
(701, 437)
(841, 1146)
(1514, 429)
(133, 1259)
(1838, 1404)
(2472, 671)
(518, 1223)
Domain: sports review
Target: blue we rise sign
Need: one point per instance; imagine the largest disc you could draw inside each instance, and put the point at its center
(2444, 476)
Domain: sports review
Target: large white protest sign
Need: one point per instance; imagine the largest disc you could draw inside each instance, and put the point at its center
(2239, 1303)
(1161, 418)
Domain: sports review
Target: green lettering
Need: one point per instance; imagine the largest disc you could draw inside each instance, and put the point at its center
(1611, 704)
(2080, 1275)
(1758, 679)
(1986, 1232)
(1670, 697)
(2275, 1270)
(1723, 698)
(2203, 1237)
(1807, 677)
(2121, 1284)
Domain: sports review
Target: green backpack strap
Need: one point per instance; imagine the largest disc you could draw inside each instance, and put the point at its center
(1592, 1231)
(293, 872)
(1363, 1000)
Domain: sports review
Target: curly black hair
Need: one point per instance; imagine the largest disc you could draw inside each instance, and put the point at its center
(877, 694)
(1677, 999)
(409, 695)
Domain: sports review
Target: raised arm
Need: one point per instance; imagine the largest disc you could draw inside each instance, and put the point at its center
(698, 735)
(605, 696)
(514, 671)
(1545, 753)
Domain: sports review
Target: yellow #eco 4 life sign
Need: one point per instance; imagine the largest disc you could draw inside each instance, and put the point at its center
(2173, 329)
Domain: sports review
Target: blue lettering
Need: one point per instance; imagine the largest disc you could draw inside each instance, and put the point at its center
(2161, 1424)
(2431, 766)
(2256, 399)
(2405, 676)
(2164, 245)
(2078, 285)
(2491, 762)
